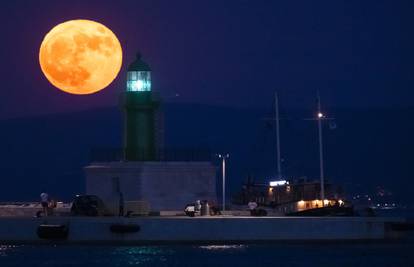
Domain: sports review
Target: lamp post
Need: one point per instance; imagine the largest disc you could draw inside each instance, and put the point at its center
(223, 167)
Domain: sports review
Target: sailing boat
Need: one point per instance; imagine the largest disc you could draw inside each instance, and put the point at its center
(299, 197)
(323, 206)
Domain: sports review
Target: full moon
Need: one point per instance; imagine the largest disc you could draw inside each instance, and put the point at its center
(80, 56)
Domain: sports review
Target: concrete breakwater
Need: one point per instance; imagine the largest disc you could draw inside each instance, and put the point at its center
(223, 229)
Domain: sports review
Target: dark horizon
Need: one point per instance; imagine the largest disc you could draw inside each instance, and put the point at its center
(360, 154)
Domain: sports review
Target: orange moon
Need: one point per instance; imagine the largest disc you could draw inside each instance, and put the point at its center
(80, 56)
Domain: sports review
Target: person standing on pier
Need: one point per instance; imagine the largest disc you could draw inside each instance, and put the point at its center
(252, 207)
(44, 201)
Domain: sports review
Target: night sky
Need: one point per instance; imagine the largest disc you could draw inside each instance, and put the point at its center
(227, 53)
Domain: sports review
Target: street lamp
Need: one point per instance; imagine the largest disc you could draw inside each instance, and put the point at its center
(223, 167)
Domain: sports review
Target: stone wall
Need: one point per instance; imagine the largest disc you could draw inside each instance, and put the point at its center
(165, 185)
(220, 230)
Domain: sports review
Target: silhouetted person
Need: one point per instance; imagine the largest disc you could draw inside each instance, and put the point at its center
(252, 207)
(51, 206)
(44, 201)
(121, 204)
(214, 210)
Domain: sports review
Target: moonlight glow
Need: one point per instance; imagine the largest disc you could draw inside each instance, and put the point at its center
(80, 56)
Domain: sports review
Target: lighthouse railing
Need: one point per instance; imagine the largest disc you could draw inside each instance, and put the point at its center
(169, 154)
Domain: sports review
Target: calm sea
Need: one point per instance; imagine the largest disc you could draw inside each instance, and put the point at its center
(360, 254)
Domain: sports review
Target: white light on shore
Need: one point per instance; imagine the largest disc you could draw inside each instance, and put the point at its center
(278, 183)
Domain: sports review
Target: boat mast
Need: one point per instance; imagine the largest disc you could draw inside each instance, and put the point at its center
(279, 167)
(320, 118)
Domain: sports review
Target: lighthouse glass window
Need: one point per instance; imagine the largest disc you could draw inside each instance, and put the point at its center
(138, 81)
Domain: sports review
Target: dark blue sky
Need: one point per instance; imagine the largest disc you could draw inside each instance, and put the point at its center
(235, 53)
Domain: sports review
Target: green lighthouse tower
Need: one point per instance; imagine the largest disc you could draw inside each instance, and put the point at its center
(148, 178)
(140, 106)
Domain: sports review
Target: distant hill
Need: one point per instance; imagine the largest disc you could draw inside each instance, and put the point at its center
(367, 148)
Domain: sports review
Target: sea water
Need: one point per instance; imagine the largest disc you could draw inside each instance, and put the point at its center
(389, 254)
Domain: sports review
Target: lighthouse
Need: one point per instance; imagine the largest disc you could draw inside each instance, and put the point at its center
(147, 178)
(140, 106)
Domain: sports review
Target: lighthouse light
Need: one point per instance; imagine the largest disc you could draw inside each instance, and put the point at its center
(138, 81)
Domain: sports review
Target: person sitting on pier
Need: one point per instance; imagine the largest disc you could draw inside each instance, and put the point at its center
(214, 209)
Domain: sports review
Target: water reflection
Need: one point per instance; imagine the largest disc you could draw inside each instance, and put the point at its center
(141, 255)
(224, 247)
(382, 254)
(6, 249)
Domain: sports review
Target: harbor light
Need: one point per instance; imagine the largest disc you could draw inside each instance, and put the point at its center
(341, 202)
(278, 183)
(137, 85)
(270, 191)
(138, 76)
(288, 188)
(325, 202)
(301, 205)
(320, 115)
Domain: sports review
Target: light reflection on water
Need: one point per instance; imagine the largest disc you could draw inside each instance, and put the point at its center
(223, 247)
(358, 254)
(141, 255)
(6, 249)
